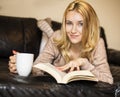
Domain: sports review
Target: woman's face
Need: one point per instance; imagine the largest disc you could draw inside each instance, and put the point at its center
(74, 25)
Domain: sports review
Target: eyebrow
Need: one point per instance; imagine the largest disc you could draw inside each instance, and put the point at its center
(78, 21)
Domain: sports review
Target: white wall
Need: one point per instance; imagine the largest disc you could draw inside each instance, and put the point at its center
(108, 12)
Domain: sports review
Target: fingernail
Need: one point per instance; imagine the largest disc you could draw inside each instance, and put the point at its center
(14, 51)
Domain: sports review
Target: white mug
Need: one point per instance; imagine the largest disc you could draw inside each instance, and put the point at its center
(24, 62)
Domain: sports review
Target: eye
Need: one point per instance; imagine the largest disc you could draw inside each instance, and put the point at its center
(80, 23)
(68, 23)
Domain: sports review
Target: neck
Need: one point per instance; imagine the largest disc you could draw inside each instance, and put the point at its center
(75, 47)
(75, 51)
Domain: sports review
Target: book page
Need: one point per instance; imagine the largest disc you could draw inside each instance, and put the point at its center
(79, 75)
(49, 68)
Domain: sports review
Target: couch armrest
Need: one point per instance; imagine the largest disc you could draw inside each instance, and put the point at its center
(114, 56)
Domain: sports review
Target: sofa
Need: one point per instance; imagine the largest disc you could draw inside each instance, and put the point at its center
(29, 35)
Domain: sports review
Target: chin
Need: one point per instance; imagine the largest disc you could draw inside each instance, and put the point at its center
(75, 42)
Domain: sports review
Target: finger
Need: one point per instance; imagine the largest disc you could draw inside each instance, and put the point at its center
(13, 69)
(63, 68)
(13, 61)
(59, 68)
(78, 68)
(13, 57)
(12, 65)
(72, 68)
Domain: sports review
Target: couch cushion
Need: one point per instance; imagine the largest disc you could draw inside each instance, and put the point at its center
(114, 57)
(21, 34)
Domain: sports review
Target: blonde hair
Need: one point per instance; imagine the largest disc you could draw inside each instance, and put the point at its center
(90, 35)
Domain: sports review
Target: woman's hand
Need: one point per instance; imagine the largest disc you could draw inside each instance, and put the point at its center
(73, 65)
(12, 62)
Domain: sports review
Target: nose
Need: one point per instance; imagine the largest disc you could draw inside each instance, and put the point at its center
(74, 29)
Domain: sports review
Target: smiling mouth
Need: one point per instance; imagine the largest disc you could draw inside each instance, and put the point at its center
(73, 36)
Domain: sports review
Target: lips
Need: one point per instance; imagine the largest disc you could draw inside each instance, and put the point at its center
(74, 36)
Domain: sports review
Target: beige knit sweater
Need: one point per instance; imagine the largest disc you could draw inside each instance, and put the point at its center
(99, 67)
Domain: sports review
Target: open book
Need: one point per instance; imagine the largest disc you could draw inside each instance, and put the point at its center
(64, 78)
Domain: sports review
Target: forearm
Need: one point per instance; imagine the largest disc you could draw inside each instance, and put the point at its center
(103, 76)
(102, 71)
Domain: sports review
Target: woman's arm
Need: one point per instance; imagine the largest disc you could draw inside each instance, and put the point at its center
(100, 67)
(48, 55)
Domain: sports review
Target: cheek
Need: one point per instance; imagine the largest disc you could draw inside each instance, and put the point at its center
(68, 28)
(79, 29)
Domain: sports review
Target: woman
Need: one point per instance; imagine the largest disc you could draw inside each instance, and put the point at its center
(77, 46)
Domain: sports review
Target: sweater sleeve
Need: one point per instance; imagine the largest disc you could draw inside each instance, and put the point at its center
(48, 55)
(50, 51)
(100, 67)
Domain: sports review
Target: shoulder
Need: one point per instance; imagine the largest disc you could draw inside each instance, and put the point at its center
(100, 46)
(101, 42)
